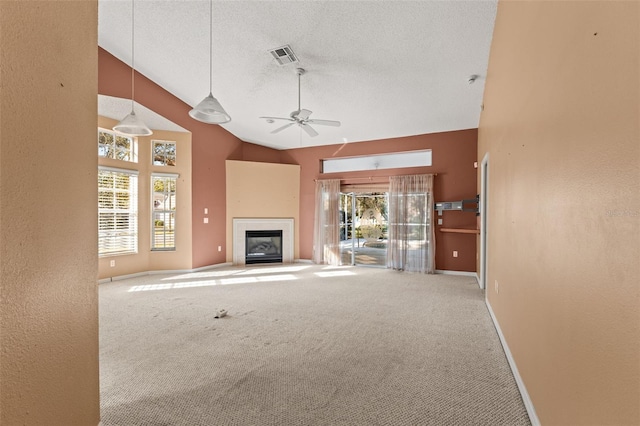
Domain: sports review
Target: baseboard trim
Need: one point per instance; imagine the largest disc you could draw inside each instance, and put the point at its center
(302, 261)
(446, 272)
(162, 272)
(528, 404)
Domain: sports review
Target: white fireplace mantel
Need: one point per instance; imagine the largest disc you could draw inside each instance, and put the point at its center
(242, 225)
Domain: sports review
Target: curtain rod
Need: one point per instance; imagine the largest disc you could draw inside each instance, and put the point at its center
(375, 177)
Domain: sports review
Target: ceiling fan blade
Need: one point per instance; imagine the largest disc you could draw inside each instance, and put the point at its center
(325, 122)
(303, 114)
(310, 131)
(279, 129)
(277, 118)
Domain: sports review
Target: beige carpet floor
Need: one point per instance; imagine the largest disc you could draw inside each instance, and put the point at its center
(302, 345)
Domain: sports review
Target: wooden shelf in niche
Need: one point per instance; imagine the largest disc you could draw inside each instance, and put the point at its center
(460, 230)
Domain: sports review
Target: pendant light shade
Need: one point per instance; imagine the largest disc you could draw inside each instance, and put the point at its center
(209, 109)
(132, 125)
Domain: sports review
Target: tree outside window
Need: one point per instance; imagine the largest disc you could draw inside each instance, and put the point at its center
(115, 146)
(164, 153)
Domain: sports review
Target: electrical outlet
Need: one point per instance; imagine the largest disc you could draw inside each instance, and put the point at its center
(497, 287)
(440, 221)
(112, 263)
(219, 248)
(455, 253)
(206, 220)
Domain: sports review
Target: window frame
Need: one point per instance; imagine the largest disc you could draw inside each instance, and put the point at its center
(389, 160)
(165, 156)
(131, 152)
(124, 241)
(154, 212)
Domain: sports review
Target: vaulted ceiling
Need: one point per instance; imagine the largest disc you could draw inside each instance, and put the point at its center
(382, 68)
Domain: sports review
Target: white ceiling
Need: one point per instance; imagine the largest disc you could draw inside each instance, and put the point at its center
(118, 108)
(383, 68)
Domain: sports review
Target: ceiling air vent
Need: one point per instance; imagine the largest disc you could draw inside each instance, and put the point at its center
(284, 55)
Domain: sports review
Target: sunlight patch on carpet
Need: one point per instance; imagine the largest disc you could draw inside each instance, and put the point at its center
(206, 283)
(334, 274)
(263, 270)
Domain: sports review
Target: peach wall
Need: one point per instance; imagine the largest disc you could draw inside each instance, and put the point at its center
(211, 146)
(454, 154)
(145, 259)
(262, 190)
(561, 124)
(48, 198)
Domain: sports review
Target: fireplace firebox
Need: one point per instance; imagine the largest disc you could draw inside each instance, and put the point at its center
(263, 246)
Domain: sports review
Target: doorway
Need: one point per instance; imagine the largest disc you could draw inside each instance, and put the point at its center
(363, 228)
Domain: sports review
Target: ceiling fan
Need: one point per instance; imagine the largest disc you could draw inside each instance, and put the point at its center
(301, 116)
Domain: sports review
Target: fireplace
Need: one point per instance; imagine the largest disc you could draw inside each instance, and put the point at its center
(263, 246)
(243, 224)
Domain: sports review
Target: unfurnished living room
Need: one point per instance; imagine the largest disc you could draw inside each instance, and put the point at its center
(319, 212)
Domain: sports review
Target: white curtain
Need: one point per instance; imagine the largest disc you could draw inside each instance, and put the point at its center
(411, 245)
(326, 232)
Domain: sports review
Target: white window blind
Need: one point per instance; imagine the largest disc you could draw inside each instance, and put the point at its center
(163, 220)
(117, 211)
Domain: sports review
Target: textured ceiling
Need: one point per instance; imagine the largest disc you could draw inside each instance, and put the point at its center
(383, 68)
(117, 108)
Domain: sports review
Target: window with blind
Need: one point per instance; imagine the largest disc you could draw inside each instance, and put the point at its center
(117, 211)
(163, 220)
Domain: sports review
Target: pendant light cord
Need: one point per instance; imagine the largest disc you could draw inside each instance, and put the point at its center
(132, 53)
(210, 46)
(299, 73)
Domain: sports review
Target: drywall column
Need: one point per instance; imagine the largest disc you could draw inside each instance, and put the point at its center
(48, 220)
(561, 124)
(262, 190)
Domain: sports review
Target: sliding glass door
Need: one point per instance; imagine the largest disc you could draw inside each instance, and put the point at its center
(363, 228)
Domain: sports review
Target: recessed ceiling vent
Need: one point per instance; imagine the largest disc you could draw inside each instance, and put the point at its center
(284, 55)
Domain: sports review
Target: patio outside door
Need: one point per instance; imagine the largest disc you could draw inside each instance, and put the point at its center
(363, 229)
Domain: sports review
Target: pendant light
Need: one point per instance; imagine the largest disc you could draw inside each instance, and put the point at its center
(131, 125)
(209, 110)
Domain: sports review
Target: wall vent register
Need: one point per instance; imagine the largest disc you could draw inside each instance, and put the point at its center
(284, 55)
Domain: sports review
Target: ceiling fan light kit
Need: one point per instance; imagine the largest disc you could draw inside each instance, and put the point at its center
(209, 109)
(301, 116)
(131, 125)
